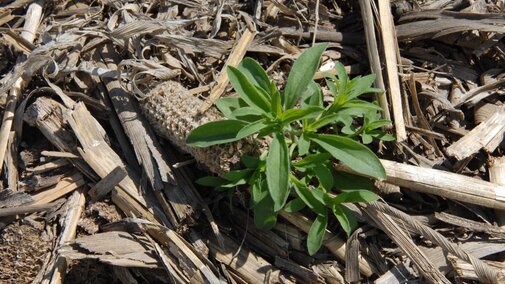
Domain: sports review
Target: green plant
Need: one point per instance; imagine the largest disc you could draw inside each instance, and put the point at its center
(307, 137)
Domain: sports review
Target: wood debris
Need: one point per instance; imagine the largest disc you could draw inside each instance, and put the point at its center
(97, 99)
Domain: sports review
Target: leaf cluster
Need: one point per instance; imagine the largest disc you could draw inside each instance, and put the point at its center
(307, 137)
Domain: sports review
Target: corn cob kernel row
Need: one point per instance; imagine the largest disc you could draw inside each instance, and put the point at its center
(173, 113)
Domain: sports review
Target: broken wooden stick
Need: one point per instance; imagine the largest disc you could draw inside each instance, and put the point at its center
(373, 54)
(75, 207)
(107, 184)
(389, 47)
(497, 176)
(234, 59)
(32, 22)
(30, 208)
(442, 183)
(487, 135)
(61, 189)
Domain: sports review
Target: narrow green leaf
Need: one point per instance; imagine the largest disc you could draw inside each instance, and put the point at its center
(227, 105)
(294, 205)
(267, 130)
(361, 86)
(303, 145)
(259, 191)
(301, 74)
(324, 175)
(332, 87)
(313, 95)
(245, 111)
(306, 195)
(264, 215)
(277, 171)
(342, 79)
(346, 181)
(312, 160)
(211, 181)
(378, 124)
(325, 120)
(276, 103)
(353, 154)
(361, 104)
(366, 139)
(247, 91)
(353, 196)
(381, 135)
(298, 114)
(316, 234)
(250, 162)
(347, 224)
(252, 128)
(215, 132)
(237, 175)
(255, 73)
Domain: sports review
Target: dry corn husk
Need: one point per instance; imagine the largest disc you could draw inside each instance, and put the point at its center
(173, 112)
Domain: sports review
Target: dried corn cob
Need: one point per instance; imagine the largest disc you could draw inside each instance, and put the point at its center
(173, 113)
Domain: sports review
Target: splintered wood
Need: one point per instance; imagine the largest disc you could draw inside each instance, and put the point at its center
(487, 135)
(234, 59)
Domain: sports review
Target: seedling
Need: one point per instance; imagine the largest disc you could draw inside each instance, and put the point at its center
(307, 138)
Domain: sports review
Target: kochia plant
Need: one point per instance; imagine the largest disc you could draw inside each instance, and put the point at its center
(307, 138)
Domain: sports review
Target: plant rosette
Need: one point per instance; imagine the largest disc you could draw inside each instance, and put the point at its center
(307, 138)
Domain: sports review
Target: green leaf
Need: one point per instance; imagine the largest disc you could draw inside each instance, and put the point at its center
(251, 128)
(366, 139)
(303, 145)
(245, 111)
(227, 105)
(353, 154)
(312, 160)
(316, 234)
(361, 86)
(277, 171)
(342, 79)
(345, 218)
(211, 181)
(215, 132)
(378, 124)
(381, 135)
(306, 195)
(353, 196)
(259, 191)
(324, 175)
(267, 130)
(247, 91)
(276, 103)
(250, 162)
(361, 104)
(255, 73)
(332, 87)
(264, 215)
(346, 181)
(313, 95)
(230, 107)
(294, 205)
(297, 114)
(237, 175)
(321, 196)
(301, 74)
(323, 121)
